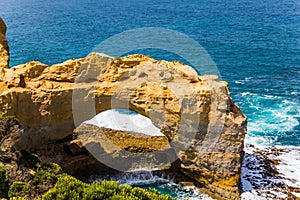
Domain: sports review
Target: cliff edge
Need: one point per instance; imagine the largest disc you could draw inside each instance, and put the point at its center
(4, 49)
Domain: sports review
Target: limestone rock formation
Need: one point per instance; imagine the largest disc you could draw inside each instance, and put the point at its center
(4, 49)
(124, 150)
(204, 127)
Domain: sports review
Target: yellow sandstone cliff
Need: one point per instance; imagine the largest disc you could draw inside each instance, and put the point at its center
(195, 113)
(4, 49)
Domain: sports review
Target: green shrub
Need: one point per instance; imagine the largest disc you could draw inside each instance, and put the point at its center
(47, 172)
(9, 118)
(19, 189)
(52, 167)
(68, 187)
(3, 182)
(16, 198)
(120, 197)
(30, 159)
(94, 191)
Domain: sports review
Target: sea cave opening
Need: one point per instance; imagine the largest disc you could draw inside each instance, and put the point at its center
(127, 147)
(124, 141)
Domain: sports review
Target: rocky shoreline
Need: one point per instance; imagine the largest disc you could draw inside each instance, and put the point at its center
(264, 172)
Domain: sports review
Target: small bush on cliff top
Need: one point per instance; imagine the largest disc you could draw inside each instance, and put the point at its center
(8, 118)
(3, 182)
(19, 189)
(16, 198)
(46, 173)
(68, 187)
(30, 159)
(65, 187)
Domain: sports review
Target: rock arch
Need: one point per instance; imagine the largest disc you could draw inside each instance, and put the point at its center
(121, 143)
(156, 89)
(44, 106)
(206, 127)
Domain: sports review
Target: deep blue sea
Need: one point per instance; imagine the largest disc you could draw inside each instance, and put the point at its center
(254, 43)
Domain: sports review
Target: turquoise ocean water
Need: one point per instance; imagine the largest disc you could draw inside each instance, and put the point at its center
(255, 44)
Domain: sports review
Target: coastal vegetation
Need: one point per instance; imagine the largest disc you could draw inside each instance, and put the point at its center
(3, 181)
(68, 187)
(19, 189)
(46, 181)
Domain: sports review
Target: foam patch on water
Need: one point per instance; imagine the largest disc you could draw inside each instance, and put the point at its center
(260, 140)
(269, 117)
(125, 120)
(134, 178)
(242, 81)
(187, 192)
(163, 184)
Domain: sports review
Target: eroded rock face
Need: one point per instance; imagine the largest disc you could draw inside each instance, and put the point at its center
(203, 125)
(125, 150)
(4, 49)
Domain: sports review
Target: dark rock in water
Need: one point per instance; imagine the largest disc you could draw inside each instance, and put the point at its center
(261, 176)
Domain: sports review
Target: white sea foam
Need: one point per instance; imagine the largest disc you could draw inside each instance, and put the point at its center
(245, 93)
(148, 179)
(263, 195)
(259, 140)
(294, 92)
(120, 119)
(289, 165)
(243, 81)
(239, 82)
(256, 180)
(269, 117)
